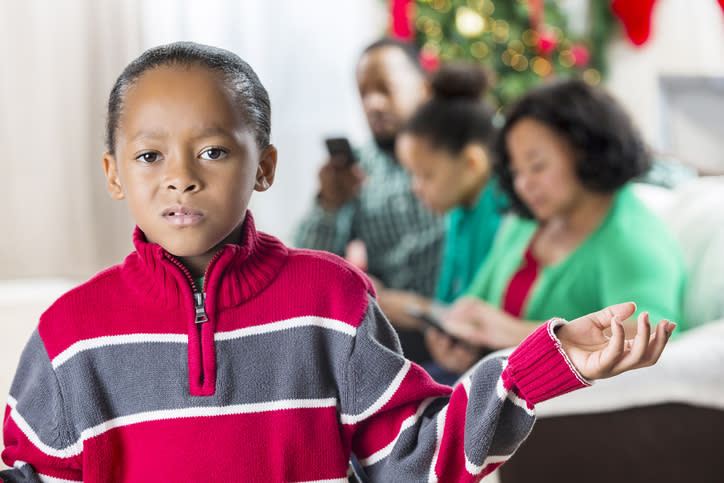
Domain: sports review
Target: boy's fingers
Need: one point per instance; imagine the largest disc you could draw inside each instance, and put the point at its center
(612, 352)
(603, 318)
(623, 311)
(640, 345)
(658, 341)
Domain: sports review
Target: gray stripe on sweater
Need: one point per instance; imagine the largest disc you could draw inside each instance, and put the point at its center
(513, 422)
(375, 357)
(377, 346)
(36, 390)
(121, 380)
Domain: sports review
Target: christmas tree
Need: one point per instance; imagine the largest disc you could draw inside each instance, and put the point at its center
(521, 42)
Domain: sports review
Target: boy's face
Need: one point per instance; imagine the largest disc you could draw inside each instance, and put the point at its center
(390, 89)
(187, 162)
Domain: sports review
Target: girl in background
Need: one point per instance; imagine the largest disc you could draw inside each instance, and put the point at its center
(445, 146)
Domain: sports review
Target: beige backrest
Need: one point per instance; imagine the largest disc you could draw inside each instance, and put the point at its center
(695, 214)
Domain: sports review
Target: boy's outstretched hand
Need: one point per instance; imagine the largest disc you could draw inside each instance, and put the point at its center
(598, 356)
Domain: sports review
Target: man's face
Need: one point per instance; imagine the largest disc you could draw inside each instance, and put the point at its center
(391, 88)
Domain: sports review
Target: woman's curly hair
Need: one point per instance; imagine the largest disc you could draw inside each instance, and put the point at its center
(609, 149)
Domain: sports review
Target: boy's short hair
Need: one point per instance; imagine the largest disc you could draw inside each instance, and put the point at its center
(250, 95)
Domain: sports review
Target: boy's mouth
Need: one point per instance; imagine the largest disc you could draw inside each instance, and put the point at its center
(182, 216)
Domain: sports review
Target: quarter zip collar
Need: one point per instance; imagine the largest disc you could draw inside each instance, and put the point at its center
(235, 274)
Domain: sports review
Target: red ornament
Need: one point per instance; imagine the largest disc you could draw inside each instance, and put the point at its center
(537, 14)
(429, 60)
(547, 41)
(581, 55)
(402, 14)
(636, 18)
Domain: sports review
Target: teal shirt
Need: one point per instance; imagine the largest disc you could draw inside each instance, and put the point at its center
(469, 234)
(631, 256)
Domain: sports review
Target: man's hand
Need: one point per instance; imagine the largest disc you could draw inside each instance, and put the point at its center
(339, 182)
(598, 356)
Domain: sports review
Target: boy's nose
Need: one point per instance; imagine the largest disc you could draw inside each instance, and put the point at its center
(180, 176)
(182, 187)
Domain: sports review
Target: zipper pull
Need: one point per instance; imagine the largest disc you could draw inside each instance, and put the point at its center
(199, 299)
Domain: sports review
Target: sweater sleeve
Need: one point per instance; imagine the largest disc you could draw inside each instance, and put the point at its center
(405, 427)
(38, 444)
(326, 230)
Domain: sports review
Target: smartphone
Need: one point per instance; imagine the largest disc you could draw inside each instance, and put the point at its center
(431, 321)
(427, 319)
(340, 146)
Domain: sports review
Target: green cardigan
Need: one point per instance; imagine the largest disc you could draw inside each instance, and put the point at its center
(631, 256)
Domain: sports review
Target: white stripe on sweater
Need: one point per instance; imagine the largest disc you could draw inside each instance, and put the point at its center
(335, 480)
(407, 423)
(381, 401)
(439, 428)
(504, 393)
(109, 340)
(474, 469)
(51, 479)
(44, 478)
(306, 321)
(77, 447)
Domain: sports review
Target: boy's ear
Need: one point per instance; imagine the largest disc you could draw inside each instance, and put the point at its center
(267, 168)
(113, 181)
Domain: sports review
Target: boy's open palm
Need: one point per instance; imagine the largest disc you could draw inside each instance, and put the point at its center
(597, 355)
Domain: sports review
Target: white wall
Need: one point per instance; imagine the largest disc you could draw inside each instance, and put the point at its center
(60, 60)
(305, 55)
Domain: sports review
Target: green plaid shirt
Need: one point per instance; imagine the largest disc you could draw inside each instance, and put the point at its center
(403, 238)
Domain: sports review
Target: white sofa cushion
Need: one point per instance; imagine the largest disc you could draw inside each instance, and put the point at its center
(695, 214)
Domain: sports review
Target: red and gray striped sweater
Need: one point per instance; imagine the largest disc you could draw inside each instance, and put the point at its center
(284, 368)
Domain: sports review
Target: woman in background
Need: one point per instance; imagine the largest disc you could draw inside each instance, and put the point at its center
(579, 239)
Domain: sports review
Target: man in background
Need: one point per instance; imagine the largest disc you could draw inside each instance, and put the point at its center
(370, 202)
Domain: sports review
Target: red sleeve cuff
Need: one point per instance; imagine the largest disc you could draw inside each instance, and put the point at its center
(539, 369)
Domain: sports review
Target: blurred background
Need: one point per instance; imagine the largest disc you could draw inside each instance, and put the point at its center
(663, 59)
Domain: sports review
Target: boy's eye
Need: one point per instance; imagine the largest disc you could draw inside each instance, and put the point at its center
(213, 154)
(148, 158)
